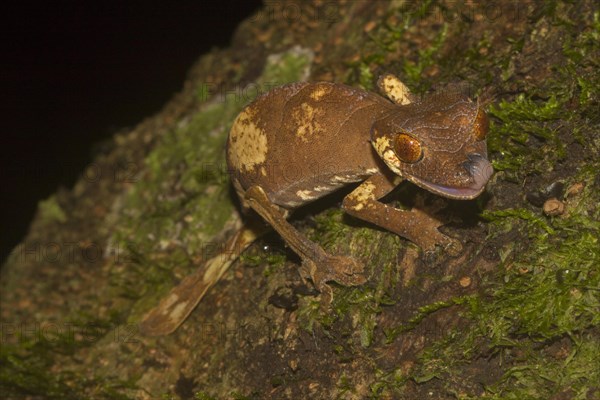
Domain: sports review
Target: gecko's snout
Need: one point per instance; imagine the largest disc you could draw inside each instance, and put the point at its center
(479, 168)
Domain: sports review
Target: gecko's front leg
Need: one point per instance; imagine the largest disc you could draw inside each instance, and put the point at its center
(415, 225)
(316, 263)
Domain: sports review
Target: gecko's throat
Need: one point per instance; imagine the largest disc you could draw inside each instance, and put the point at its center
(479, 169)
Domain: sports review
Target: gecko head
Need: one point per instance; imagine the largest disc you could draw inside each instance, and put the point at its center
(438, 144)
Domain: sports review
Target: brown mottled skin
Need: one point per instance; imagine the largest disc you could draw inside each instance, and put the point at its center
(336, 144)
(302, 141)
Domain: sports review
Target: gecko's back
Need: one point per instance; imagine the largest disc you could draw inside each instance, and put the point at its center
(302, 141)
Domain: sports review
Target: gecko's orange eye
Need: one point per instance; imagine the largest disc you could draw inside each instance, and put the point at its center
(481, 125)
(407, 148)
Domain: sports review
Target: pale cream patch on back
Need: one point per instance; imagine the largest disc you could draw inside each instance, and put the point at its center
(248, 144)
(306, 195)
(337, 179)
(292, 203)
(305, 118)
(320, 91)
(395, 90)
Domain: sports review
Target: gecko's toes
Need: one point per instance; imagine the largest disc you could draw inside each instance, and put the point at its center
(447, 246)
(453, 247)
(345, 270)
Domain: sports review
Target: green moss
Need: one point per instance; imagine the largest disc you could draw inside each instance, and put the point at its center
(553, 375)
(291, 66)
(387, 38)
(421, 314)
(522, 121)
(26, 363)
(506, 218)
(233, 395)
(51, 211)
(388, 384)
(552, 288)
(524, 124)
(365, 76)
(271, 260)
(203, 396)
(414, 71)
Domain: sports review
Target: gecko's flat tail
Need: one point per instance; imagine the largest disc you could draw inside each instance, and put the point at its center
(177, 306)
(183, 298)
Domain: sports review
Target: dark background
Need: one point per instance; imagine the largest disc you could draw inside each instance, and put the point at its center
(75, 73)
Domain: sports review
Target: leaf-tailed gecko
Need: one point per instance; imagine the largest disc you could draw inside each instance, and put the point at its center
(302, 141)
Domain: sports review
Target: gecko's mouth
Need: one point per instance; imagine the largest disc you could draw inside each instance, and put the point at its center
(480, 170)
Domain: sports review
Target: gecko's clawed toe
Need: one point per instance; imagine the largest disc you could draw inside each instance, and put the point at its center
(453, 247)
(346, 271)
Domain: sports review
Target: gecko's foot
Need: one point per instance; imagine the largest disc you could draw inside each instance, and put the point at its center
(453, 247)
(431, 238)
(428, 237)
(450, 245)
(441, 242)
(343, 270)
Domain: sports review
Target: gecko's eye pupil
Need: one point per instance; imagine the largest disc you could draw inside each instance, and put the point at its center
(481, 125)
(407, 148)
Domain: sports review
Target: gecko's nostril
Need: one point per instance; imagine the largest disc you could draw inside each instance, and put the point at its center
(473, 160)
(467, 166)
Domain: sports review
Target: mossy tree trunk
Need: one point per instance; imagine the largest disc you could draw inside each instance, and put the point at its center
(517, 314)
